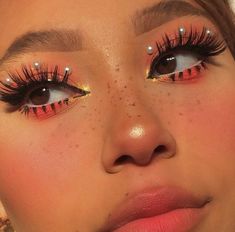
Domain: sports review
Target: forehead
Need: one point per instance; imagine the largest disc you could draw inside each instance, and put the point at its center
(32, 15)
(104, 19)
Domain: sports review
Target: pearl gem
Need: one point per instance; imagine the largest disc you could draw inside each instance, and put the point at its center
(150, 50)
(182, 30)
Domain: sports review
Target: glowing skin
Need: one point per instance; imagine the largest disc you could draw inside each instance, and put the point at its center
(61, 174)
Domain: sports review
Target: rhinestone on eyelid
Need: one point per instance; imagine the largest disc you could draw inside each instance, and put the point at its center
(67, 70)
(150, 50)
(209, 32)
(36, 65)
(182, 30)
(8, 81)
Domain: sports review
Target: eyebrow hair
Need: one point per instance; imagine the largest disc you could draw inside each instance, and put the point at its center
(163, 12)
(63, 40)
(44, 41)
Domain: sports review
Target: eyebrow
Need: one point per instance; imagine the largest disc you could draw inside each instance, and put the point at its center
(163, 12)
(44, 41)
(70, 40)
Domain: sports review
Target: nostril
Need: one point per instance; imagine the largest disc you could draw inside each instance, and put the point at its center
(123, 159)
(161, 149)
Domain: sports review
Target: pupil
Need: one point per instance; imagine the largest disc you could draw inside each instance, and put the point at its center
(166, 65)
(40, 96)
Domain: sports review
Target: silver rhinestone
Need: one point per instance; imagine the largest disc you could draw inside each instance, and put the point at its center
(182, 30)
(150, 50)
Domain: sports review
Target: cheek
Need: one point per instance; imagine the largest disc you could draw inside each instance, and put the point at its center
(204, 128)
(213, 123)
(39, 174)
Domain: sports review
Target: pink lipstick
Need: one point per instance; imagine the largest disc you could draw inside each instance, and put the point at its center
(165, 209)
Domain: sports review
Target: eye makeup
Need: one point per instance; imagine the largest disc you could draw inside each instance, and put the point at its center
(40, 91)
(183, 55)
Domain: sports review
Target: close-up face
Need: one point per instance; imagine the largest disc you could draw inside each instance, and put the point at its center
(116, 116)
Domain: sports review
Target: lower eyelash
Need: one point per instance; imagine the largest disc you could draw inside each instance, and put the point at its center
(184, 75)
(46, 111)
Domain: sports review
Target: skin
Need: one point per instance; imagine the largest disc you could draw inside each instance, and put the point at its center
(60, 174)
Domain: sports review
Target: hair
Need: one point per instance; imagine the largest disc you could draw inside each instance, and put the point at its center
(222, 13)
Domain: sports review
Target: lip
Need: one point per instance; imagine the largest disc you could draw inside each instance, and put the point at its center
(171, 208)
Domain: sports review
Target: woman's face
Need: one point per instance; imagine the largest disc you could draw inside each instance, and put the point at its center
(125, 139)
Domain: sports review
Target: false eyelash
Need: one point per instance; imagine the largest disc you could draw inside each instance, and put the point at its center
(15, 93)
(200, 43)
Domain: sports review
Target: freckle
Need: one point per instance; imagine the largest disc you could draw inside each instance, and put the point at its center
(198, 102)
(127, 194)
(181, 114)
(115, 81)
(93, 128)
(117, 68)
(168, 94)
(190, 120)
(120, 98)
(139, 116)
(76, 145)
(169, 123)
(109, 215)
(125, 86)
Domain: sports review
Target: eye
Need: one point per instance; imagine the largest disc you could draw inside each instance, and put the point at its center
(174, 62)
(47, 100)
(46, 95)
(177, 66)
(184, 57)
(41, 93)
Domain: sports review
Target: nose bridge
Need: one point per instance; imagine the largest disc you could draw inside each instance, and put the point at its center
(135, 133)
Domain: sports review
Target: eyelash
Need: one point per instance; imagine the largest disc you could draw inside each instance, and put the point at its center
(16, 93)
(198, 43)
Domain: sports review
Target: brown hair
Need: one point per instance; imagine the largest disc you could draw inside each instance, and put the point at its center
(222, 14)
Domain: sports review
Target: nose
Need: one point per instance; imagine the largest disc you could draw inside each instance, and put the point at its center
(136, 140)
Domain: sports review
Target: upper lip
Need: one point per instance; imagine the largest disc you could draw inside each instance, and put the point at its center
(152, 202)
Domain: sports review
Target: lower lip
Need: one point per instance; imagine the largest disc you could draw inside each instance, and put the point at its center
(179, 220)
